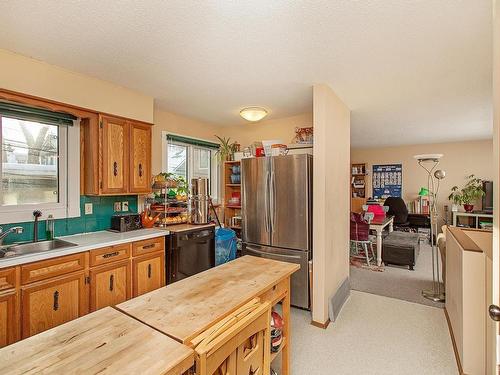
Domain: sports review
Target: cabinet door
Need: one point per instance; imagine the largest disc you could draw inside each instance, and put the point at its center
(115, 162)
(9, 321)
(148, 273)
(53, 302)
(109, 285)
(140, 158)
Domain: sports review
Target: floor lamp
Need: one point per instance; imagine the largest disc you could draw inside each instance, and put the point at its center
(429, 163)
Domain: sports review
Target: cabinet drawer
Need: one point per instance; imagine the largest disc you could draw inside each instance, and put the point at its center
(7, 278)
(275, 293)
(52, 267)
(109, 254)
(148, 246)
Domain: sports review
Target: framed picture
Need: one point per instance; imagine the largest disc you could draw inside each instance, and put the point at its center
(387, 181)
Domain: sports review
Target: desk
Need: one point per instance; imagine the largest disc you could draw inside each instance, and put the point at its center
(378, 224)
(475, 215)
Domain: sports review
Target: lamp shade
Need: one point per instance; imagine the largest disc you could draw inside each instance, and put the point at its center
(253, 114)
(423, 192)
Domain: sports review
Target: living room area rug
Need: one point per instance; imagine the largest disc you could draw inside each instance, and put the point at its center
(396, 282)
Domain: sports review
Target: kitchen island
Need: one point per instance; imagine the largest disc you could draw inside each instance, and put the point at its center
(180, 312)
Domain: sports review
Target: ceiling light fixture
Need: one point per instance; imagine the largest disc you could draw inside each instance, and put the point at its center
(253, 114)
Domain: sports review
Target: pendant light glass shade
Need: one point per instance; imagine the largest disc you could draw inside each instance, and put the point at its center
(253, 114)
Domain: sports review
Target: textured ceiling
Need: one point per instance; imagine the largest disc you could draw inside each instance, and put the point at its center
(411, 71)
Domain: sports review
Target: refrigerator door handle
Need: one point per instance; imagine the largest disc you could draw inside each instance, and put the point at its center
(272, 194)
(266, 203)
(254, 250)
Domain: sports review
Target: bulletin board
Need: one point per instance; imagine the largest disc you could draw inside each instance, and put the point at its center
(387, 181)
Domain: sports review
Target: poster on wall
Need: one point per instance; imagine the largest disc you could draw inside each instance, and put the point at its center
(387, 180)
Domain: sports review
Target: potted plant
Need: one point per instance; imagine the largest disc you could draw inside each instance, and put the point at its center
(471, 192)
(226, 149)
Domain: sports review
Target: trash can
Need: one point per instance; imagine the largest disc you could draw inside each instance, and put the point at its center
(225, 245)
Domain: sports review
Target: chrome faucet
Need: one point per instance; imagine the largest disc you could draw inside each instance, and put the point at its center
(17, 230)
(36, 215)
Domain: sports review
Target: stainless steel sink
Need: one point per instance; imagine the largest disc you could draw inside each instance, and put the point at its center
(33, 247)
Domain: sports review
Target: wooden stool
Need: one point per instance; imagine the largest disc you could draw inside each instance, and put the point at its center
(240, 344)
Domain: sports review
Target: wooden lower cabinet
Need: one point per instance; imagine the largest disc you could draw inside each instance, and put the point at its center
(109, 285)
(51, 303)
(9, 322)
(148, 273)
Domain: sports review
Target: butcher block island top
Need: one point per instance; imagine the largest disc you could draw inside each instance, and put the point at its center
(188, 307)
(104, 342)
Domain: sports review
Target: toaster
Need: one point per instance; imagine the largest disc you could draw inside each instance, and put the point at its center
(125, 222)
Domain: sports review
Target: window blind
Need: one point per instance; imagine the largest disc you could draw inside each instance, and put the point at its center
(192, 141)
(44, 116)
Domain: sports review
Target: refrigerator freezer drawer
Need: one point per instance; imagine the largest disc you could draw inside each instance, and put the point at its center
(299, 283)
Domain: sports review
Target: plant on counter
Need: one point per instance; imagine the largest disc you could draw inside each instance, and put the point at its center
(472, 191)
(226, 149)
(182, 186)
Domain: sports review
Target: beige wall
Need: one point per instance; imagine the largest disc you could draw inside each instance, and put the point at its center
(282, 128)
(460, 159)
(330, 198)
(25, 75)
(180, 125)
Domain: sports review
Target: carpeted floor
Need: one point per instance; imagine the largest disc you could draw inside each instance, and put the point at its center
(398, 282)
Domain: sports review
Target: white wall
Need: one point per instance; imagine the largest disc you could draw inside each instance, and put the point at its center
(331, 198)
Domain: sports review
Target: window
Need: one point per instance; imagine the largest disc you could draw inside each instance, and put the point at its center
(34, 163)
(192, 158)
(30, 165)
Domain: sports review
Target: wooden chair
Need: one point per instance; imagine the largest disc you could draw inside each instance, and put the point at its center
(240, 344)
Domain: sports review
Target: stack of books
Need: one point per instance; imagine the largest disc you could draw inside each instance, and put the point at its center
(419, 205)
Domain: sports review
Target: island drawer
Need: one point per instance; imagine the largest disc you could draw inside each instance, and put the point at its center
(46, 269)
(275, 293)
(7, 278)
(109, 254)
(148, 246)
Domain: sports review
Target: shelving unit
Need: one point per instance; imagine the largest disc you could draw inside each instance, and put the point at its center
(172, 211)
(231, 189)
(358, 186)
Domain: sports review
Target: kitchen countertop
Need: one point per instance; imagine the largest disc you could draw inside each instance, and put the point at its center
(188, 307)
(85, 242)
(103, 342)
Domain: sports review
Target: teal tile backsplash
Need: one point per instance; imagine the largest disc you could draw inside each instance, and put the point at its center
(99, 220)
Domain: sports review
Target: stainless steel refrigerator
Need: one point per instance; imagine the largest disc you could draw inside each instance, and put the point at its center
(277, 214)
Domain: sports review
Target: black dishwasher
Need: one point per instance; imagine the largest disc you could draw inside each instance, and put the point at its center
(190, 253)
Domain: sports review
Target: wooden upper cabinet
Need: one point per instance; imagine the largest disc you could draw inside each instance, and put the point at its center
(110, 285)
(140, 158)
(53, 302)
(116, 156)
(115, 153)
(9, 321)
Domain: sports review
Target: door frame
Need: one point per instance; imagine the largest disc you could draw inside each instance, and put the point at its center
(493, 271)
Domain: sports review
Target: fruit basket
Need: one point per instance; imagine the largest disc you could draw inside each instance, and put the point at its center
(168, 201)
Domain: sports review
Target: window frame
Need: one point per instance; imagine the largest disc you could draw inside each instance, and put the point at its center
(214, 168)
(68, 181)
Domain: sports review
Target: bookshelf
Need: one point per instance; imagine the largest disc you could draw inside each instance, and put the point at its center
(232, 190)
(358, 186)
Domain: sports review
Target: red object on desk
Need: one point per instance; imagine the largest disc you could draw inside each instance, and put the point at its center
(377, 210)
(259, 151)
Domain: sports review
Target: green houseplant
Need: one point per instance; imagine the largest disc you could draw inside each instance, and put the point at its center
(472, 191)
(226, 149)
